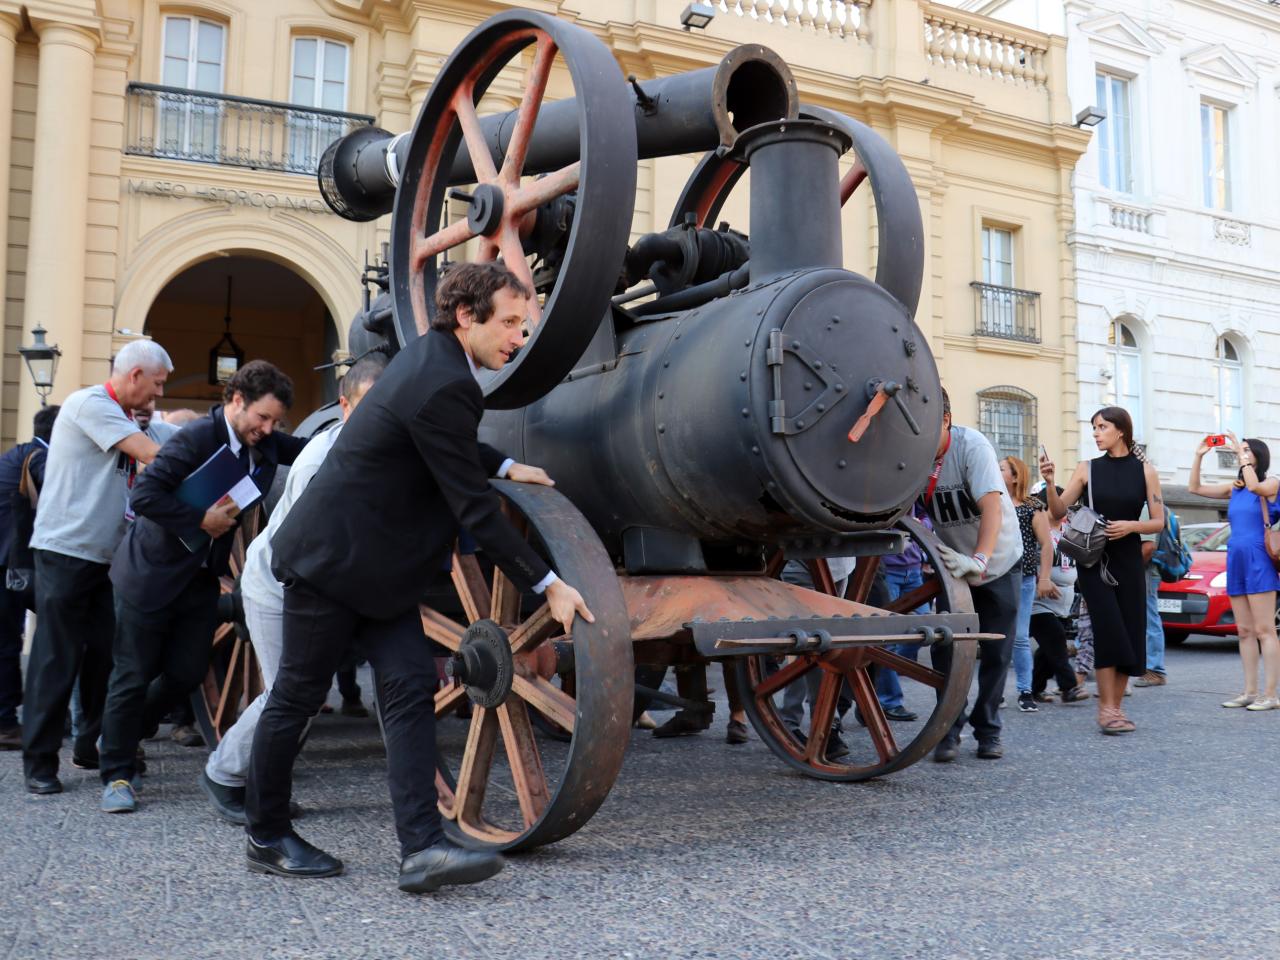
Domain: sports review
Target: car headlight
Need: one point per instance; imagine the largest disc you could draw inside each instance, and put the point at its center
(1219, 581)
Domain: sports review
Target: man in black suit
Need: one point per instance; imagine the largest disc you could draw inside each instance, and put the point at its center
(167, 594)
(357, 551)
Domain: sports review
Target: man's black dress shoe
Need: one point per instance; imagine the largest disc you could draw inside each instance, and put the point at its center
(290, 856)
(946, 750)
(444, 863)
(901, 713)
(228, 802)
(44, 785)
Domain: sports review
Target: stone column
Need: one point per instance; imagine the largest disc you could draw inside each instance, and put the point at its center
(10, 23)
(59, 206)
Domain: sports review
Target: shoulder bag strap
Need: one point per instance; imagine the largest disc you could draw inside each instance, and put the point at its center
(27, 487)
(1090, 469)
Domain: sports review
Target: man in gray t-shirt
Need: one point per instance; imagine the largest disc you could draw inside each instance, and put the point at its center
(974, 518)
(93, 457)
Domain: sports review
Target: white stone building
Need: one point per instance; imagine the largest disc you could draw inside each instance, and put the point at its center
(1177, 211)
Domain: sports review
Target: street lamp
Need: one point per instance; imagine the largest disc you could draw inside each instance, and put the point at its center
(42, 360)
(696, 16)
(1090, 116)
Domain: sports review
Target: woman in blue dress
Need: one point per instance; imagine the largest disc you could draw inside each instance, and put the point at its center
(1251, 579)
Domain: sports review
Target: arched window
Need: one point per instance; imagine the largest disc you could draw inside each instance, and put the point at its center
(1228, 400)
(1125, 387)
(1007, 416)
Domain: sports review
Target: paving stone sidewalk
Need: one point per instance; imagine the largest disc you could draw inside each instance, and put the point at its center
(1160, 844)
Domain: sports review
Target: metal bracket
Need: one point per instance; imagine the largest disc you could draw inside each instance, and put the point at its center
(833, 389)
(722, 638)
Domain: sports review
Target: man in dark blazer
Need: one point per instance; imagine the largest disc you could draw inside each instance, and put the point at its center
(167, 594)
(359, 548)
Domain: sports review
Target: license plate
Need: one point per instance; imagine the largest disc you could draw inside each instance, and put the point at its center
(1168, 605)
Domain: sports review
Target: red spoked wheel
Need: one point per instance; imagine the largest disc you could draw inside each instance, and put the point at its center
(873, 744)
(504, 202)
(234, 677)
(900, 257)
(505, 780)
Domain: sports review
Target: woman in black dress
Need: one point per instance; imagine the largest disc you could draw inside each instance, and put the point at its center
(1122, 483)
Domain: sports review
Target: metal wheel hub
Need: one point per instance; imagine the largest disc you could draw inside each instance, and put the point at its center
(483, 664)
(484, 215)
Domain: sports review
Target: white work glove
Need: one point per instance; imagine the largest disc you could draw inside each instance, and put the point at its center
(970, 569)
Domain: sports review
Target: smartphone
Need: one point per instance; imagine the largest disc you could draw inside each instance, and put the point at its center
(1044, 454)
(1215, 440)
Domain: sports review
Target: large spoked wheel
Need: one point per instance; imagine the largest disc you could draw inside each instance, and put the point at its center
(503, 209)
(234, 677)
(900, 258)
(506, 782)
(874, 749)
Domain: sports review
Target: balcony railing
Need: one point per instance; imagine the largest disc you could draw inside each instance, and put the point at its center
(1006, 312)
(178, 124)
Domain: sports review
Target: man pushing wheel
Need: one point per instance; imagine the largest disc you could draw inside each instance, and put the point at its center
(358, 550)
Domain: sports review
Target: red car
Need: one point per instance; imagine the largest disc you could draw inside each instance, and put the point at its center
(1198, 603)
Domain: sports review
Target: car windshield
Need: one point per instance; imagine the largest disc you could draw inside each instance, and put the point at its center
(1216, 541)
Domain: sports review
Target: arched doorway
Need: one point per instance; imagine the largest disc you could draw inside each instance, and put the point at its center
(276, 315)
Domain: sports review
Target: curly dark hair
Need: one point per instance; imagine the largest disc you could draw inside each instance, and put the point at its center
(473, 285)
(256, 379)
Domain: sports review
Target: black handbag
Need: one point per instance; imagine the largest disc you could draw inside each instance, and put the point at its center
(1084, 536)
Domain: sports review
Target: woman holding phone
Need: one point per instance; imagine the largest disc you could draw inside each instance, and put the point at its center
(1115, 588)
(1251, 578)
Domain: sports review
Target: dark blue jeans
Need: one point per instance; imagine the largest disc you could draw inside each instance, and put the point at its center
(996, 604)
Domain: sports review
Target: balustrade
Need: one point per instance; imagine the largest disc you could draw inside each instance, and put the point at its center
(955, 44)
(840, 19)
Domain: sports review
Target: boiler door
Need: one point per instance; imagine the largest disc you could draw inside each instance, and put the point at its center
(838, 342)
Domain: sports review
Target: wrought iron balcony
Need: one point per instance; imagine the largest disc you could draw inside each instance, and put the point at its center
(1006, 312)
(178, 124)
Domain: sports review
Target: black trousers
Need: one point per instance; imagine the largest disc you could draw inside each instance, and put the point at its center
(12, 612)
(75, 622)
(996, 604)
(160, 656)
(1051, 654)
(317, 632)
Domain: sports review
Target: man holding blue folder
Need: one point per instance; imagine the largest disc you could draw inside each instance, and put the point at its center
(165, 571)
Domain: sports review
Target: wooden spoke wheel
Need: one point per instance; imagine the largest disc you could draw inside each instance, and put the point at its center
(505, 781)
(874, 747)
(234, 677)
(900, 245)
(504, 203)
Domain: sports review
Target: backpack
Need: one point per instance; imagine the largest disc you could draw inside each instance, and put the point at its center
(1171, 559)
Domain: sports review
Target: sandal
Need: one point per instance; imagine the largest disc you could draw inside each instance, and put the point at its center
(1112, 722)
(1075, 694)
(1241, 701)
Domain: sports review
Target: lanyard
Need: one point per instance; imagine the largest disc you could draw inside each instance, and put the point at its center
(131, 465)
(937, 471)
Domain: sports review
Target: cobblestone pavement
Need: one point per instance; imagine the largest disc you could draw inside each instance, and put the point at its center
(1159, 844)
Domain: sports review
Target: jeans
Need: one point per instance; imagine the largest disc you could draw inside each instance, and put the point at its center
(996, 604)
(318, 632)
(229, 763)
(897, 581)
(1051, 653)
(74, 626)
(805, 689)
(170, 646)
(1155, 629)
(1022, 640)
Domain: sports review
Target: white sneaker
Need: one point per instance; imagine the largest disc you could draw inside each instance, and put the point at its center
(1241, 701)
(1264, 703)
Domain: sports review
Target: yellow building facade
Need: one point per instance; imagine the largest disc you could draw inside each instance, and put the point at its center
(158, 165)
